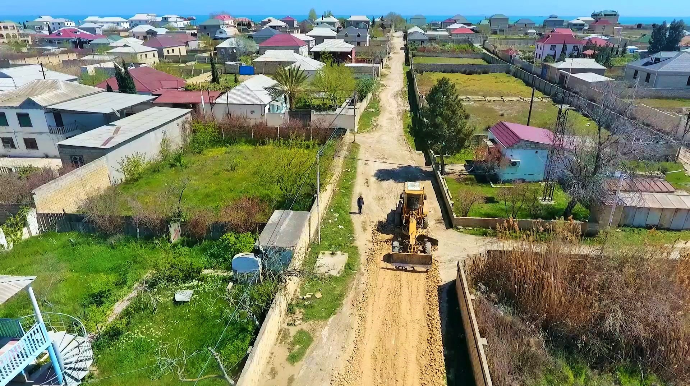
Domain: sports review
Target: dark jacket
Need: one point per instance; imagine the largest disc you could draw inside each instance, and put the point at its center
(360, 201)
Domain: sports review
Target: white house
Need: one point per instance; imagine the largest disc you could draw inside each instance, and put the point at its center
(553, 45)
(15, 77)
(142, 18)
(252, 99)
(38, 115)
(55, 23)
(661, 70)
(119, 22)
(144, 31)
(174, 21)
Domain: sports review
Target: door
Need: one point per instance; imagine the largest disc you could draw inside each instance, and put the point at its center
(58, 120)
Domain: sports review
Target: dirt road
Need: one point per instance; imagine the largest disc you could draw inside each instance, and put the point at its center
(388, 331)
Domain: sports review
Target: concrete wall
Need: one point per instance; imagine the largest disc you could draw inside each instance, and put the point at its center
(256, 113)
(516, 43)
(68, 192)
(275, 318)
(46, 59)
(449, 55)
(531, 166)
(475, 343)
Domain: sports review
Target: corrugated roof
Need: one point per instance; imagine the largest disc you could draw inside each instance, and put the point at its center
(283, 229)
(303, 37)
(415, 29)
(333, 45)
(46, 92)
(358, 18)
(189, 97)
(21, 75)
(11, 285)
(72, 33)
(126, 42)
(461, 31)
(579, 63)
(591, 77)
(164, 41)
(417, 36)
(253, 91)
(509, 134)
(126, 128)
(148, 80)
(555, 38)
(679, 63)
(133, 49)
(307, 64)
(102, 103)
(461, 19)
(266, 32)
(322, 32)
(646, 185)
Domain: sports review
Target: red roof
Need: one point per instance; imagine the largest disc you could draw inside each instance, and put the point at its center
(509, 134)
(163, 42)
(650, 185)
(599, 42)
(461, 31)
(588, 52)
(288, 18)
(449, 20)
(560, 39)
(283, 40)
(223, 17)
(148, 80)
(601, 22)
(562, 31)
(187, 97)
(184, 38)
(72, 33)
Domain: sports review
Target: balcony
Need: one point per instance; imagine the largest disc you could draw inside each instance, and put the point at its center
(19, 349)
(62, 130)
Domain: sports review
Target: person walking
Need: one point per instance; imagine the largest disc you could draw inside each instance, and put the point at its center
(360, 203)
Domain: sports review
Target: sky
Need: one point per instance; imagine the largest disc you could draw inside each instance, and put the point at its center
(366, 7)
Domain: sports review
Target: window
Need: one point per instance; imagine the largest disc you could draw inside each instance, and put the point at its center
(30, 144)
(635, 75)
(7, 143)
(687, 84)
(552, 48)
(77, 160)
(3, 119)
(646, 78)
(24, 120)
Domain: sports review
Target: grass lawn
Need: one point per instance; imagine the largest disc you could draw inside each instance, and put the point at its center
(77, 274)
(488, 85)
(299, 345)
(372, 111)
(497, 209)
(674, 105)
(623, 60)
(436, 59)
(483, 115)
(219, 176)
(154, 328)
(337, 234)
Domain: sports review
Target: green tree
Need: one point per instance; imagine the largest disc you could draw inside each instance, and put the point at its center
(312, 14)
(125, 82)
(444, 120)
(675, 34)
(328, 14)
(657, 42)
(215, 76)
(97, 77)
(291, 81)
(336, 81)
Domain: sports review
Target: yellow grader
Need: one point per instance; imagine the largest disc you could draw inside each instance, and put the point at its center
(411, 248)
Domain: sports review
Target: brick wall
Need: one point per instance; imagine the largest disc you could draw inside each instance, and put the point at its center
(68, 192)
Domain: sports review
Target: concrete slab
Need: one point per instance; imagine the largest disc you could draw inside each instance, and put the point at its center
(183, 296)
(330, 263)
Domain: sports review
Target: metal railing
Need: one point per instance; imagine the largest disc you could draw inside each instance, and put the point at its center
(11, 328)
(22, 353)
(61, 130)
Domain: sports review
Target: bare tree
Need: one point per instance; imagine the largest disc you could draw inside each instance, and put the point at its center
(582, 163)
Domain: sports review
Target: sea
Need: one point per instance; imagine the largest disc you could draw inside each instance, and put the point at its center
(626, 20)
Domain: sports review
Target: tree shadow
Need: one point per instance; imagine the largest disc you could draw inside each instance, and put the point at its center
(456, 356)
(407, 173)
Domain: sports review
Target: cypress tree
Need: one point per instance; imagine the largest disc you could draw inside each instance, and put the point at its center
(125, 82)
(215, 78)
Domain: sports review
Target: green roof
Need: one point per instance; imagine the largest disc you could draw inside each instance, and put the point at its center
(212, 22)
(499, 15)
(484, 22)
(114, 38)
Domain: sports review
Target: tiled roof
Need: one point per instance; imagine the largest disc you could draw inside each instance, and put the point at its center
(288, 18)
(266, 31)
(223, 17)
(461, 31)
(163, 42)
(283, 40)
(562, 31)
(322, 32)
(148, 80)
(599, 42)
(509, 134)
(72, 33)
(560, 39)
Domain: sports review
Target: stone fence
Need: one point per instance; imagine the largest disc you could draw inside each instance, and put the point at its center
(475, 343)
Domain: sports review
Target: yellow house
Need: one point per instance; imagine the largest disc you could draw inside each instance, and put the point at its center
(136, 54)
(10, 31)
(168, 47)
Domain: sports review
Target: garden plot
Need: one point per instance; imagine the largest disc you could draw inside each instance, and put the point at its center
(678, 106)
(486, 85)
(443, 60)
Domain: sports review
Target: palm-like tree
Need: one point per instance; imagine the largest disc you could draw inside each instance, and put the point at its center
(291, 82)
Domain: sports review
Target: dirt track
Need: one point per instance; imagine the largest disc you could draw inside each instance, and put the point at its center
(388, 330)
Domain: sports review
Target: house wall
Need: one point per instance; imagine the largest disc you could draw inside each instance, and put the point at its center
(253, 112)
(303, 50)
(269, 68)
(68, 192)
(543, 50)
(172, 52)
(41, 121)
(532, 162)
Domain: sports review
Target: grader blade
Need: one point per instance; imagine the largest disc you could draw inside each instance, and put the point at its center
(401, 260)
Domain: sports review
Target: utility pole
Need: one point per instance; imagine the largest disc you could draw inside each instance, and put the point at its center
(43, 71)
(531, 102)
(354, 99)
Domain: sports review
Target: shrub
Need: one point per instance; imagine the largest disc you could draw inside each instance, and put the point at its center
(244, 214)
(221, 252)
(364, 86)
(465, 200)
(175, 268)
(133, 166)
